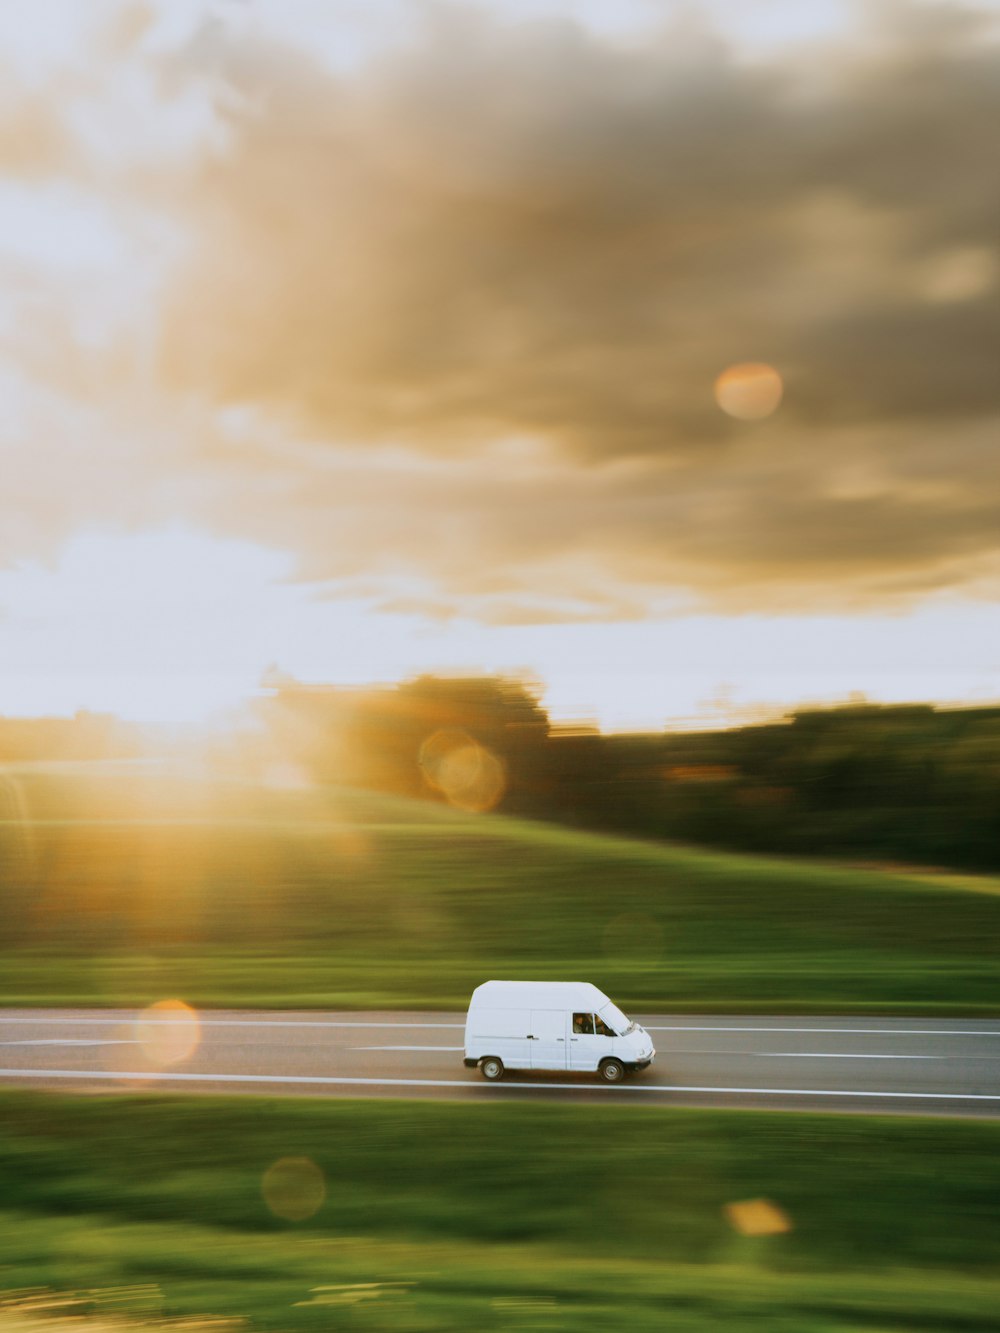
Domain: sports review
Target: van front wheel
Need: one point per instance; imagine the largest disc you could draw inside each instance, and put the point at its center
(492, 1069)
(612, 1071)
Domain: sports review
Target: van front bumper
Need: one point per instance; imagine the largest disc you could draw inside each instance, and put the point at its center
(635, 1065)
(470, 1064)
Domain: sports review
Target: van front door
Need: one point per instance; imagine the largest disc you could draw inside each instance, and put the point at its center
(590, 1041)
(548, 1039)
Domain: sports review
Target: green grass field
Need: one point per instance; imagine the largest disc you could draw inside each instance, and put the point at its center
(119, 891)
(440, 1217)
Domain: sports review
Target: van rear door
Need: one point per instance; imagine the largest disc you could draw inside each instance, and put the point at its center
(548, 1039)
(502, 1032)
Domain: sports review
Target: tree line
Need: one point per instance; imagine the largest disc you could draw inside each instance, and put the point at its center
(910, 783)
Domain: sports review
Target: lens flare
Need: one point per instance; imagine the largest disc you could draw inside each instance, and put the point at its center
(294, 1188)
(15, 815)
(123, 1059)
(467, 774)
(749, 391)
(168, 1032)
(757, 1217)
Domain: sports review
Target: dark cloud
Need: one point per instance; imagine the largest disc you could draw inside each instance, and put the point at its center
(520, 229)
(887, 518)
(475, 296)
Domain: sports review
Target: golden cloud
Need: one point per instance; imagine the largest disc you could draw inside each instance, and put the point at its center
(467, 305)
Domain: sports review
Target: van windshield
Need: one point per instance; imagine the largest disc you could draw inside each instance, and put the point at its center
(614, 1018)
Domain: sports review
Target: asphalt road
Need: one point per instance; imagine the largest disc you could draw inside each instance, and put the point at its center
(894, 1065)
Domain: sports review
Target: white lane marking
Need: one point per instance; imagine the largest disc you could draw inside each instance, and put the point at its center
(407, 1048)
(864, 1032)
(238, 1022)
(764, 1055)
(348, 1023)
(832, 1055)
(326, 1081)
(73, 1041)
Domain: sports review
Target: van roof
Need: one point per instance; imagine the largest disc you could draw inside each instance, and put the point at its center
(538, 994)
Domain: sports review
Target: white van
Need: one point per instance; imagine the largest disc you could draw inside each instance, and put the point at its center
(552, 1025)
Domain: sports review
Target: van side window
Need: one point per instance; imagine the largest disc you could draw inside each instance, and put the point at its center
(603, 1030)
(584, 1023)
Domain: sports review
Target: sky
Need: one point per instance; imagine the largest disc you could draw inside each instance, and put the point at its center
(647, 349)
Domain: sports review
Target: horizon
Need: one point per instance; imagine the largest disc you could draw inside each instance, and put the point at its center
(243, 719)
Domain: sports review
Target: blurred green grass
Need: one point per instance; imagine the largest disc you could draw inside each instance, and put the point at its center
(503, 1216)
(126, 890)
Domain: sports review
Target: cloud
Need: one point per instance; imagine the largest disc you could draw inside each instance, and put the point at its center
(511, 540)
(524, 229)
(456, 312)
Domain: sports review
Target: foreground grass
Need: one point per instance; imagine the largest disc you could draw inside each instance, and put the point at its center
(500, 1217)
(120, 893)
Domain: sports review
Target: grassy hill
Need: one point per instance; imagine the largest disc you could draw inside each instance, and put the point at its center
(122, 886)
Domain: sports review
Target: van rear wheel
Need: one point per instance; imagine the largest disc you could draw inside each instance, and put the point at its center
(612, 1071)
(491, 1068)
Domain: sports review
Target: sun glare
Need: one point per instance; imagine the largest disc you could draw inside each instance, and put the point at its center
(178, 629)
(168, 627)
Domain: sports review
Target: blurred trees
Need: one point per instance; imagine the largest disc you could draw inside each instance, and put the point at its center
(477, 741)
(904, 783)
(85, 736)
(898, 783)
